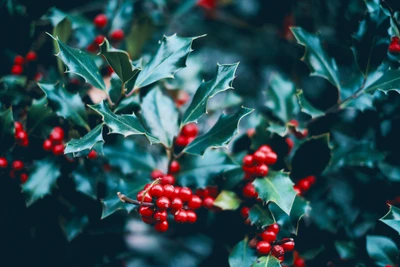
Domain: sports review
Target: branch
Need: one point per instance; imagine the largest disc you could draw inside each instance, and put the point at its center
(126, 199)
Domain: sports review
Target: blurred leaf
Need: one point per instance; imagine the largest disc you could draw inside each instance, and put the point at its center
(382, 250)
(122, 18)
(392, 218)
(74, 226)
(42, 179)
(227, 200)
(220, 134)
(347, 250)
(63, 31)
(87, 142)
(242, 255)
(115, 89)
(306, 106)
(86, 182)
(267, 261)
(221, 82)
(6, 130)
(392, 172)
(278, 188)
(261, 216)
(39, 115)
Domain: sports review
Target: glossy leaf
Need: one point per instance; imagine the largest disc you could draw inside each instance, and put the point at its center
(306, 106)
(347, 250)
(382, 250)
(122, 18)
(261, 216)
(42, 179)
(220, 134)
(161, 116)
(87, 142)
(85, 182)
(278, 188)
(6, 130)
(385, 80)
(227, 200)
(222, 81)
(392, 218)
(39, 115)
(80, 63)
(267, 261)
(242, 255)
(63, 31)
(72, 227)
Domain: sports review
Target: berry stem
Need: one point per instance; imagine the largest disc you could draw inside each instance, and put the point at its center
(280, 242)
(126, 199)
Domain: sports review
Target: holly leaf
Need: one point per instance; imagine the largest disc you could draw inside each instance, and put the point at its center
(306, 106)
(6, 130)
(41, 180)
(161, 116)
(383, 80)
(220, 134)
(278, 188)
(347, 250)
(227, 200)
(87, 142)
(72, 227)
(222, 81)
(125, 125)
(316, 58)
(382, 250)
(68, 105)
(63, 31)
(120, 155)
(39, 115)
(392, 218)
(119, 61)
(200, 172)
(267, 261)
(242, 255)
(170, 57)
(261, 216)
(123, 17)
(80, 63)
(86, 182)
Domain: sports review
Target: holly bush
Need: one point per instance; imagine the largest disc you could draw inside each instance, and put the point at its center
(132, 136)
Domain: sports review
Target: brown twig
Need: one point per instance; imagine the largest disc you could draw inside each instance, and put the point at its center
(126, 199)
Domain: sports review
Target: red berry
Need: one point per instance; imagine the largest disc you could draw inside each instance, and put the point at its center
(25, 143)
(207, 4)
(58, 150)
(168, 179)
(57, 135)
(17, 70)
(176, 190)
(249, 170)
(18, 127)
(212, 191)
(259, 157)
(31, 56)
(182, 98)
(160, 215)
(100, 21)
(92, 48)
(185, 194)
(394, 48)
(19, 60)
(190, 139)
(295, 123)
(263, 247)
(191, 216)
(117, 35)
(181, 141)
(244, 211)
(99, 39)
(190, 130)
(273, 228)
(202, 193)
(148, 220)
(146, 211)
(163, 203)
(304, 185)
(146, 198)
(251, 132)
(249, 191)
(3, 163)
(297, 189)
(195, 202)
(288, 246)
(23, 177)
(17, 165)
(47, 145)
(180, 216)
(176, 203)
(157, 191)
(208, 202)
(175, 167)
(289, 143)
(147, 186)
(265, 148)
(155, 174)
(311, 179)
(21, 135)
(92, 154)
(262, 170)
(268, 236)
(169, 191)
(278, 251)
(271, 158)
(299, 262)
(161, 226)
(248, 160)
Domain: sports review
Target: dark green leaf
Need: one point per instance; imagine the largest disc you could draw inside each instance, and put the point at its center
(347, 250)
(385, 81)
(242, 255)
(306, 107)
(41, 180)
(392, 172)
(278, 188)
(39, 115)
(261, 216)
(80, 63)
(122, 124)
(122, 17)
(221, 82)
(161, 116)
(115, 89)
(69, 106)
(267, 261)
(74, 226)
(86, 182)
(6, 130)
(392, 218)
(63, 31)
(87, 142)
(382, 250)
(227, 200)
(220, 134)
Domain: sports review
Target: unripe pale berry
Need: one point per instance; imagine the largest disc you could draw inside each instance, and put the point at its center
(161, 226)
(263, 247)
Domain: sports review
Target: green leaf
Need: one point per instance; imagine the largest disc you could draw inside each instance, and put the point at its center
(347, 250)
(87, 142)
(68, 105)
(222, 81)
(119, 61)
(170, 57)
(6, 130)
(278, 188)
(122, 124)
(41, 180)
(86, 182)
(227, 200)
(267, 261)
(123, 16)
(316, 58)
(220, 134)
(392, 172)
(121, 155)
(242, 255)
(392, 218)
(306, 107)
(385, 80)
(382, 250)
(39, 115)
(200, 172)
(281, 98)
(80, 63)
(72, 227)
(161, 116)
(63, 31)
(115, 89)
(261, 216)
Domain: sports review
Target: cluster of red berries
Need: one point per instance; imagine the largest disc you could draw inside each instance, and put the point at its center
(187, 135)
(17, 169)
(19, 61)
(394, 46)
(303, 185)
(21, 136)
(55, 142)
(298, 134)
(100, 21)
